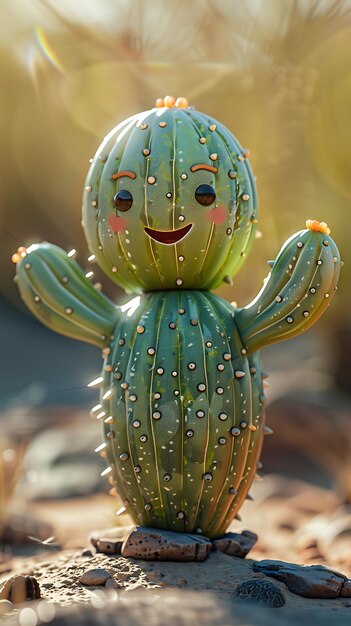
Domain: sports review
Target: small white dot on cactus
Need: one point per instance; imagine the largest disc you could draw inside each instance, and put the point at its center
(94, 203)
(102, 446)
(121, 342)
(99, 246)
(181, 218)
(172, 325)
(305, 313)
(194, 322)
(245, 197)
(114, 269)
(208, 344)
(202, 140)
(299, 244)
(137, 469)
(140, 330)
(156, 415)
(213, 156)
(151, 351)
(174, 373)
(88, 188)
(100, 415)
(136, 423)
(176, 392)
(143, 125)
(96, 382)
(243, 351)
(157, 395)
(239, 374)
(312, 290)
(180, 515)
(133, 397)
(163, 124)
(229, 231)
(124, 456)
(290, 319)
(143, 438)
(200, 414)
(95, 408)
(326, 295)
(232, 174)
(227, 356)
(235, 431)
(160, 371)
(220, 367)
(91, 160)
(233, 491)
(240, 157)
(151, 180)
(222, 441)
(148, 507)
(168, 194)
(106, 471)
(201, 387)
(223, 416)
(167, 477)
(207, 477)
(146, 152)
(278, 298)
(109, 420)
(183, 176)
(181, 258)
(72, 253)
(319, 262)
(108, 394)
(181, 311)
(191, 366)
(189, 433)
(64, 280)
(220, 391)
(243, 424)
(27, 266)
(89, 274)
(179, 281)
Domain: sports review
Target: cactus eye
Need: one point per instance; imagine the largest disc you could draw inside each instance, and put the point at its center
(205, 195)
(123, 200)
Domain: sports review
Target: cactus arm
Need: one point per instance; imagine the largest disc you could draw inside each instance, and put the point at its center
(55, 289)
(297, 291)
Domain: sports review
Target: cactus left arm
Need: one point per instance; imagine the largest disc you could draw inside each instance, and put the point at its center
(55, 289)
(297, 291)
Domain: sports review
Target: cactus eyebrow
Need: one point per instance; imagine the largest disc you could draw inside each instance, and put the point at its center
(124, 173)
(204, 166)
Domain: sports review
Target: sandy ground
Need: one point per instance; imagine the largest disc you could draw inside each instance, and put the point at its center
(295, 522)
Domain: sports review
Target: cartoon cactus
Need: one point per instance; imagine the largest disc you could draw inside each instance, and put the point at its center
(169, 209)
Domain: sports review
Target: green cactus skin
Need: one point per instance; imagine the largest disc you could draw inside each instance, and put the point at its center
(182, 400)
(164, 144)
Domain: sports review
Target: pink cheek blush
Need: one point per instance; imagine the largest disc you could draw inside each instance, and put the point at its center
(117, 223)
(217, 215)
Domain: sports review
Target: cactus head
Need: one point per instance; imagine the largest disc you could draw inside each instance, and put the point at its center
(169, 201)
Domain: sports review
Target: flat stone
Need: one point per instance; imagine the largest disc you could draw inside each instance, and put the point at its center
(95, 577)
(106, 546)
(308, 581)
(346, 589)
(111, 583)
(153, 544)
(235, 544)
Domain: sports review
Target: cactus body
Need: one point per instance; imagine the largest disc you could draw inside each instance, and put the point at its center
(169, 209)
(182, 407)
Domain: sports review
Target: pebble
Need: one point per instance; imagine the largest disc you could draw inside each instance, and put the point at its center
(95, 577)
(235, 544)
(87, 552)
(111, 583)
(5, 607)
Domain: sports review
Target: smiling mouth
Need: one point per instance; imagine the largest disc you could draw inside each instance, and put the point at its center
(168, 237)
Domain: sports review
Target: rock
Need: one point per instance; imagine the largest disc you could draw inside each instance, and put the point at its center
(87, 552)
(111, 583)
(346, 589)
(19, 589)
(164, 545)
(106, 546)
(5, 607)
(309, 581)
(261, 592)
(95, 577)
(235, 544)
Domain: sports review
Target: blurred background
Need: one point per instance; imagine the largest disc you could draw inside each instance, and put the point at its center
(278, 74)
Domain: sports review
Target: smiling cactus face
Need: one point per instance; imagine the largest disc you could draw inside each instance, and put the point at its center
(169, 201)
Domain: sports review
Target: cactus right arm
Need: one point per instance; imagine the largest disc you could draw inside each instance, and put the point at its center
(55, 289)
